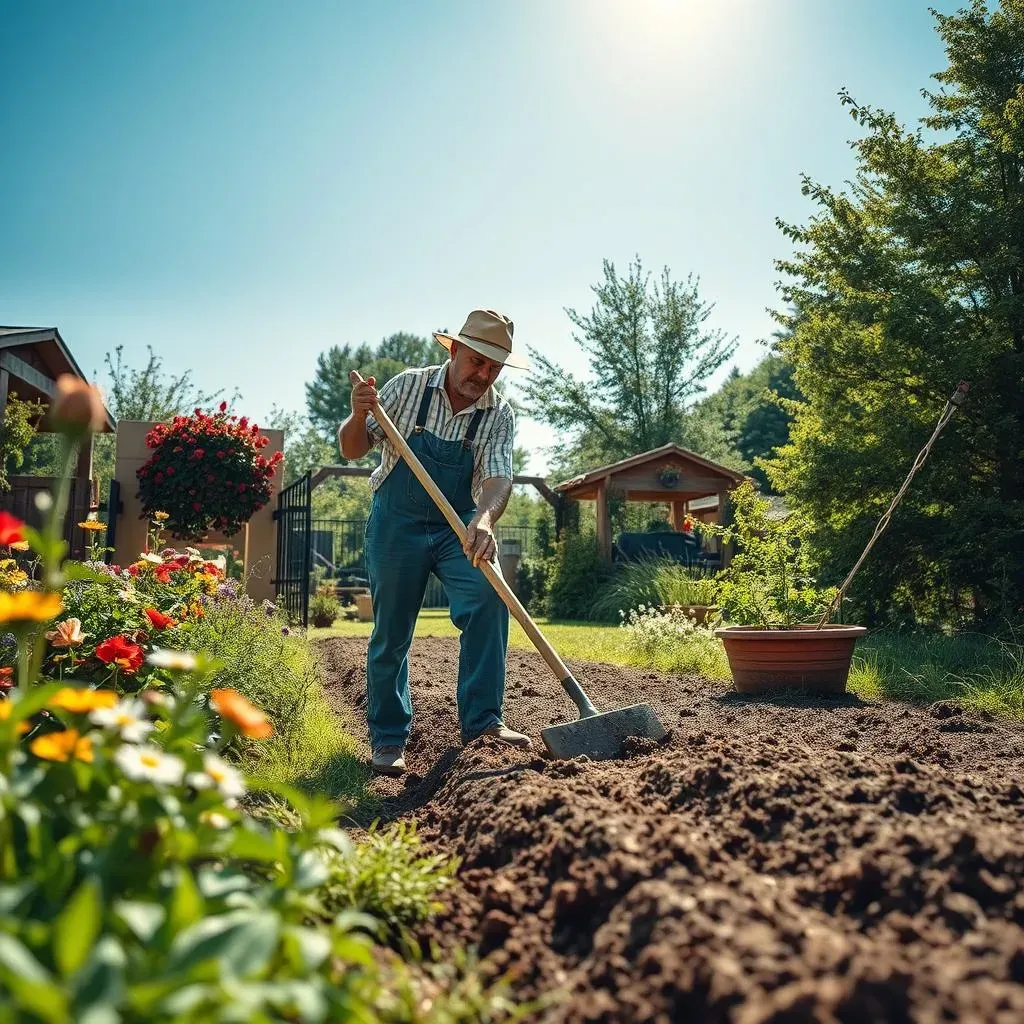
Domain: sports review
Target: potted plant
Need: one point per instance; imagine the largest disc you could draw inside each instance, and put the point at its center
(773, 604)
(669, 475)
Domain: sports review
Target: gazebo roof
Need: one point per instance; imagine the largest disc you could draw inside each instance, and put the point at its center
(34, 357)
(636, 477)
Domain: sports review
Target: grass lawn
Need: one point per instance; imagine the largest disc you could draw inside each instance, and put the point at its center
(974, 670)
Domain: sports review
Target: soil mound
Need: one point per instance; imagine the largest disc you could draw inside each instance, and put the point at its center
(773, 860)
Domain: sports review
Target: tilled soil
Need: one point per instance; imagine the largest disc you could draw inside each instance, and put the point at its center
(773, 860)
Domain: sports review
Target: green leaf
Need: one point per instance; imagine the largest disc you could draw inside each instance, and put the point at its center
(144, 919)
(12, 896)
(254, 846)
(187, 903)
(77, 926)
(218, 882)
(242, 942)
(338, 838)
(101, 984)
(43, 1000)
(17, 958)
(77, 571)
(309, 947)
(310, 870)
(28, 703)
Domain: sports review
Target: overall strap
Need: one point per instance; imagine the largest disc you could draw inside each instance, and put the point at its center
(474, 426)
(421, 416)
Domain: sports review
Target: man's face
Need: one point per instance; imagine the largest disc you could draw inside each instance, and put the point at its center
(471, 373)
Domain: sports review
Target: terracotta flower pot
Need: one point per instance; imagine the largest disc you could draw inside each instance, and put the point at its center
(798, 656)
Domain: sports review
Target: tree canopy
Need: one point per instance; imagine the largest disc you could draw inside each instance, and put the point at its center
(901, 286)
(649, 356)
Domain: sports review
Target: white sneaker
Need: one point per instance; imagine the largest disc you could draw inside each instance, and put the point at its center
(389, 760)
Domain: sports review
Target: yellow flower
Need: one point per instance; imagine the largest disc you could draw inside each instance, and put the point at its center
(62, 746)
(19, 545)
(6, 707)
(78, 702)
(161, 517)
(67, 634)
(29, 606)
(92, 524)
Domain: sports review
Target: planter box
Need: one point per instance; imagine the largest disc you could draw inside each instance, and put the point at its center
(700, 613)
(799, 657)
(364, 607)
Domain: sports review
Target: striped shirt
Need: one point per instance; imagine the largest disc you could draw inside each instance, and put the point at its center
(401, 397)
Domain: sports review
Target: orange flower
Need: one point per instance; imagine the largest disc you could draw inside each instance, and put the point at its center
(6, 707)
(78, 702)
(248, 718)
(29, 606)
(10, 528)
(67, 634)
(158, 619)
(92, 524)
(62, 746)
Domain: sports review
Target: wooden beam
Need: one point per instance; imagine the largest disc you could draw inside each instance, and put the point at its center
(604, 525)
(29, 374)
(678, 515)
(727, 549)
(5, 387)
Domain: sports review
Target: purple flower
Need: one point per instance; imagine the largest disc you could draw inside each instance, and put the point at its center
(285, 631)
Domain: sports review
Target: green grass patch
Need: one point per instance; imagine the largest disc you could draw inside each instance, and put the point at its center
(979, 672)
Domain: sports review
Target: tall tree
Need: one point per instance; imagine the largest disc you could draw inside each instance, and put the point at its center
(649, 357)
(906, 283)
(328, 394)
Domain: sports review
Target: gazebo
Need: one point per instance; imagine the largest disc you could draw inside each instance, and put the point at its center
(31, 360)
(689, 483)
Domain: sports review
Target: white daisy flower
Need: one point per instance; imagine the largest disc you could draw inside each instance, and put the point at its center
(150, 763)
(215, 819)
(128, 595)
(151, 556)
(219, 773)
(182, 661)
(128, 716)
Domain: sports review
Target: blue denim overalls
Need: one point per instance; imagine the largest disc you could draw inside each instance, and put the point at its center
(407, 537)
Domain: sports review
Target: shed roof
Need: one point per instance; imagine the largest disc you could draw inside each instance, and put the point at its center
(35, 357)
(723, 477)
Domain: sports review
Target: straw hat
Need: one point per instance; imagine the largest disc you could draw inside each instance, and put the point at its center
(488, 333)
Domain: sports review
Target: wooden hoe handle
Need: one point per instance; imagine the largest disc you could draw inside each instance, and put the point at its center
(521, 615)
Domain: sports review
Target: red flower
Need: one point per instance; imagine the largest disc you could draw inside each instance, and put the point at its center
(11, 528)
(120, 652)
(159, 620)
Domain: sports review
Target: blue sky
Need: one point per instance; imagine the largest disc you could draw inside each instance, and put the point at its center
(243, 183)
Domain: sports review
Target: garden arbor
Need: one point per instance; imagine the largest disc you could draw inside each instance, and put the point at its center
(669, 474)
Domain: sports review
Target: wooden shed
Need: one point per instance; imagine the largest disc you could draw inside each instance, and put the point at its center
(670, 474)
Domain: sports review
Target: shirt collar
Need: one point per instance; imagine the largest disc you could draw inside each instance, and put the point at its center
(485, 401)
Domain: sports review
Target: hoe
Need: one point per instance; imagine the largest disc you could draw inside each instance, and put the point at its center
(598, 734)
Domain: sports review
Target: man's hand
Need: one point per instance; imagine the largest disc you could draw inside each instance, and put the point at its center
(364, 395)
(480, 544)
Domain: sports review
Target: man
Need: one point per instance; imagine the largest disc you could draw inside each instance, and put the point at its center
(462, 431)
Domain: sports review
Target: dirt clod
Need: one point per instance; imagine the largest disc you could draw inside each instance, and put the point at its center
(750, 869)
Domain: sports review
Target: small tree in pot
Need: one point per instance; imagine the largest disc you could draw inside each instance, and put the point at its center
(772, 602)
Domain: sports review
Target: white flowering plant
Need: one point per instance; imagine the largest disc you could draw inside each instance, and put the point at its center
(672, 640)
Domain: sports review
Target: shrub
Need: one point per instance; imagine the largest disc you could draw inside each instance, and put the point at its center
(206, 472)
(770, 582)
(324, 608)
(653, 582)
(388, 876)
(577, 573)
(671, 641)
(532, 584)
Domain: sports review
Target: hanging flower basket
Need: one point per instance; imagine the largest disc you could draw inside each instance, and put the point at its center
(206, 472)
(669, 476)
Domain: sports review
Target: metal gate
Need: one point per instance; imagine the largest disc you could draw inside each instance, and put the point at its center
(291, 582)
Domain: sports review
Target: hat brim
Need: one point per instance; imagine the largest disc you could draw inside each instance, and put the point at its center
(485, 348)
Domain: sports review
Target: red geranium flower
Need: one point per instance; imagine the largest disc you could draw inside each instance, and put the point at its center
(11, 528)
(159, 620)
(120, 652)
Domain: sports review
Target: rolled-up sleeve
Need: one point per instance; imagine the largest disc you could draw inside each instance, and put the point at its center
(496, 452)
(390, 397)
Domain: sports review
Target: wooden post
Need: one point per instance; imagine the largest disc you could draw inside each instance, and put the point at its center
(678, 514)
(727, 549)
(604, 525)
(5, 387)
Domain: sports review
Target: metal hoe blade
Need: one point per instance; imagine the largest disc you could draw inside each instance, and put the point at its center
(601, 736)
